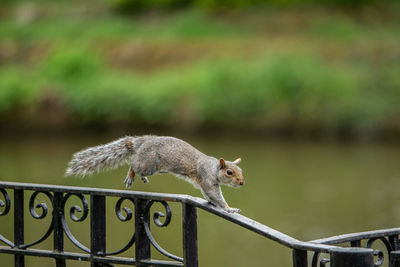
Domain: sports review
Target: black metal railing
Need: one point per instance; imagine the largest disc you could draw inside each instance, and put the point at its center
(355, 250)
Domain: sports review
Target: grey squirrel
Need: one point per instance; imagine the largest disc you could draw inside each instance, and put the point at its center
(148, 155)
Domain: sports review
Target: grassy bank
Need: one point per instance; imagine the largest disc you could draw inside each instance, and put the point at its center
(323, 71)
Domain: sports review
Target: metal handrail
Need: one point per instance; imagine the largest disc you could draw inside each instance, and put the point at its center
(340, 239)
(200, 203)
(143, 237)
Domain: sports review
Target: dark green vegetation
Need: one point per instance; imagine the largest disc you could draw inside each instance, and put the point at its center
(308, 71)
(140, 5)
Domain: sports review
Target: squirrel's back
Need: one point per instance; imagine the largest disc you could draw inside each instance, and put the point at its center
(153, 153)
(167, 154)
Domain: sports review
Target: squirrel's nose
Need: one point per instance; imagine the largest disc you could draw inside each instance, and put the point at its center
(241, 182)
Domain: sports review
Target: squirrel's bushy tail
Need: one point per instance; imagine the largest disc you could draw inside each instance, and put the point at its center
(106, 156)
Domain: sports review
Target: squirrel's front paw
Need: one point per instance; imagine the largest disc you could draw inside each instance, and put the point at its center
(232, 210)
(128, 182)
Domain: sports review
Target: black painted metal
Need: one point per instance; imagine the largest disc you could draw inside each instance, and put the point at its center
(157, 222)
(189, 227)
(19, 225)
(123, 218)
(142, 242)
(394, 241)
(97, 227)
(352, 257)
(75, 218)
(142, 238)
(394, 259)
(44, 210)
(300, 258)
(58, 235)
(6, 204)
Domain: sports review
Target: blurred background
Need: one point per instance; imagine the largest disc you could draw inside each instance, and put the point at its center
(306, 92)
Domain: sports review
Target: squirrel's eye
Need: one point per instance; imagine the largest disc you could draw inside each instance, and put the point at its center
(229, 172)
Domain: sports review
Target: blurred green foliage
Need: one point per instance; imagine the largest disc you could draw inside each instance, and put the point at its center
(272, 90)
(265, 70)
(140, 5)
(15, 89)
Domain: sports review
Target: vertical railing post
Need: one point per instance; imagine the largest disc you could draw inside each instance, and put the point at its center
(19, 225)
(189, 227)
(97, 227)
(352, 257)
(58, 242)
(142, 242)
(355, 243)
(395, 242)
(394, 260)
(300, 258)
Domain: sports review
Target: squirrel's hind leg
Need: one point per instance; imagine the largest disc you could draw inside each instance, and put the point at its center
(144, 179)
(130, 178)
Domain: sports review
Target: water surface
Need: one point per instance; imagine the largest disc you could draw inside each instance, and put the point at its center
(306, 190)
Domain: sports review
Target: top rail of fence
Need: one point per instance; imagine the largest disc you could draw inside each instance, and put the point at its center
(320, 245)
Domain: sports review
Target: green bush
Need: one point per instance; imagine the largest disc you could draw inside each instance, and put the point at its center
(288, 88)
(271, 90)
(66, 64)
(17, 89)
(292, 88)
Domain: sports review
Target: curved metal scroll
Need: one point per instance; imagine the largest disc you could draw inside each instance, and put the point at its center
(123, 218)
(315, 258)
(156, 219)
(35, 215)
(324, 262)
(379, 253)
(6, 204)
(75, 218)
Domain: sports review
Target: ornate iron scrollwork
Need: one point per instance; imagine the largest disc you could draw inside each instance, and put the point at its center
(37, 216)
(315, 259)
(42, 205)
(72, 211)
(379, 253)
(156, 219)
(123, 218)
(6, 204)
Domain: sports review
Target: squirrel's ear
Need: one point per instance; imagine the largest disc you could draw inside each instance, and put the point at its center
(237, 161)
(221, 163)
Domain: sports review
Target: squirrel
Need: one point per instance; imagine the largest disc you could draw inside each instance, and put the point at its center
(149, 155)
